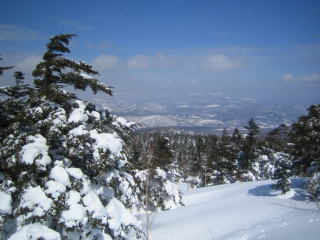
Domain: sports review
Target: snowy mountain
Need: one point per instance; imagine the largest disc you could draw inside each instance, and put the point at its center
(172, 121)
(243, 211)
(212, 111)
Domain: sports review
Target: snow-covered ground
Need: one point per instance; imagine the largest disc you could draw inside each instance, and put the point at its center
(251, 210)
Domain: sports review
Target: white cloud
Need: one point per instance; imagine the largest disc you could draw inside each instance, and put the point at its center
(28, 64)
(139, 62)
(162, 60)
(13, 32)
(194, 83)
(301, 78)
(105, 62)
(288, 77)
(218, 62)
(311, 77)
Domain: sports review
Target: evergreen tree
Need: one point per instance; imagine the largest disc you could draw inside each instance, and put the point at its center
(19, 90)
(55, 70)
(161, 153)
(248, 155)
(283, 173)
(63, 163)
(236, 136)
(313, 188)
(305, 136)
(304, 141)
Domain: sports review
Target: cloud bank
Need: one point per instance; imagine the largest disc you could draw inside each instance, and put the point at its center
(314, 77)
(141, 62)
(218, 62)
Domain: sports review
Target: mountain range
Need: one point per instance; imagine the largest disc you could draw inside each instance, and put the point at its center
(205, 112)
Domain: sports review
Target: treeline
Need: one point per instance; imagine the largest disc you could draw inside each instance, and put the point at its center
(205, 160)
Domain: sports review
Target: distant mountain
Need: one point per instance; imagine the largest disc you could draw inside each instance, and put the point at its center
(172, 121)
(206, 111)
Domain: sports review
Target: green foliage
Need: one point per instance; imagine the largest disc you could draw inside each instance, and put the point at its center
(18, 90)
(38, 137)
(248, 155)
(282, 174)
(161, 153)
(305, 136)
(313, 188)
(55, 70)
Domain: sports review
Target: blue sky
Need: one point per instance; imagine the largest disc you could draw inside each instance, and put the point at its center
(152, 49)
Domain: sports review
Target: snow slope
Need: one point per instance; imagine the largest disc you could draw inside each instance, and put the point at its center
(251, 210)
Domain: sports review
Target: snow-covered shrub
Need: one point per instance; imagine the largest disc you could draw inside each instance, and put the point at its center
(313, 188)
(158, 189)
(282, 172)
(35, 231)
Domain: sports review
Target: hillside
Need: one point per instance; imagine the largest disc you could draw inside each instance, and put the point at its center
(251, 210)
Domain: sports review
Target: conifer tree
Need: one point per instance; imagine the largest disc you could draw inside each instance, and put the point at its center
(305, 135)
(305, 161)
(55, 70)
(236, 136)
(249, 146)
(19, 90)
(63, 163)
(161, 153)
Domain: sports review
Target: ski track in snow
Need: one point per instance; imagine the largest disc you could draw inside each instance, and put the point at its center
(238, 211)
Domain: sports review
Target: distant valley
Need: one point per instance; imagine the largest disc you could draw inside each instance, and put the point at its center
(206, 112)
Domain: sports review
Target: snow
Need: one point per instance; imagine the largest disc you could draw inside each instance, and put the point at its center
(59, 174)
(78, 114)
(35, 231)
(73, 198)
(74, 216)
(86, 76)
(96, 115)
(124, 122)
(55, 189)
(35, 151)
(38, 110)
(58, 119)
(94, 206)
(161, 173)
(36, 200)
(142, 175)
(75, 172)
(78, 131)
(171, 188)
(5, 203)
(212, 106)
(107, 141)
(119, 214)
(251, 210)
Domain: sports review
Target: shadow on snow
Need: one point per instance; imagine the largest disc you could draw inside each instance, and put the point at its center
(297, 184)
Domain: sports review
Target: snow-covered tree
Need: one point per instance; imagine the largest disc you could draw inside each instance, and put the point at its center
(55, 70)
(64, 170)
(157, 176)
(283, 172)
(305, 138)
(313, 188)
